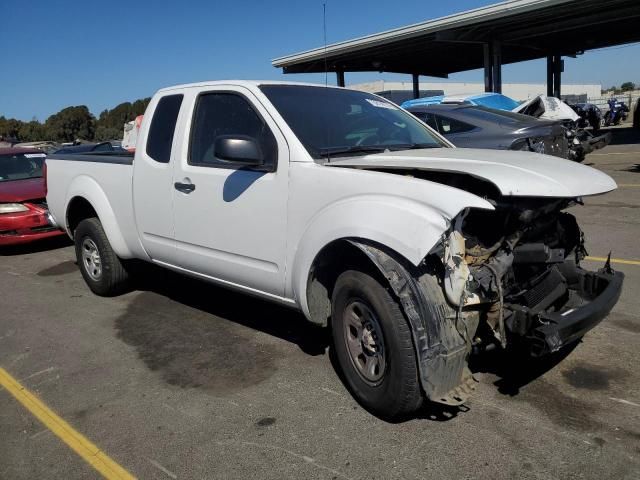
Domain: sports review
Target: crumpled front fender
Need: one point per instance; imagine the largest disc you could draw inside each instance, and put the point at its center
(441, 336)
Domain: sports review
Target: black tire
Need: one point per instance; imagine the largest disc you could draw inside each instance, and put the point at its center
(397, 392)
(109, 278)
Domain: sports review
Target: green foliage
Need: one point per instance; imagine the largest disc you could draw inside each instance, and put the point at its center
(73, 123)
(32, 131)
(9, 127)
(627, 86)
(107, 133)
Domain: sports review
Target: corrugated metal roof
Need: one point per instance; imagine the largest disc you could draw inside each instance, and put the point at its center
(527, 28)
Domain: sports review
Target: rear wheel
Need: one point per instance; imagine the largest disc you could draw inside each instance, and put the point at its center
(373, 346)
(100, 266)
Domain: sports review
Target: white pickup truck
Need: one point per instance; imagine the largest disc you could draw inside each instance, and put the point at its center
(346, 207)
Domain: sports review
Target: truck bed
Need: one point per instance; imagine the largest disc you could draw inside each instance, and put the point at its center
(105, 180)
(120, 158)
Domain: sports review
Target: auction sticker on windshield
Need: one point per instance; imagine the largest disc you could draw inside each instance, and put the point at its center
(380, 104)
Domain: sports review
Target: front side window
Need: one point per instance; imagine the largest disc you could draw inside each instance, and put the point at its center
(163, 126)
(228, 114)
(332, 121)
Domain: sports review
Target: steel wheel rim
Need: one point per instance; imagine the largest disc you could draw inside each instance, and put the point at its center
(364, 341)
(91, 259)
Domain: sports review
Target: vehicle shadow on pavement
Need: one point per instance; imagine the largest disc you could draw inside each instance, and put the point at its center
(516, 369)
(278, 321)
(44, 245)
(239, 308)
(624, 135)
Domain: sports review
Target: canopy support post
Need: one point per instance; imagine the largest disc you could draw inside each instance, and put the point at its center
(416, 85)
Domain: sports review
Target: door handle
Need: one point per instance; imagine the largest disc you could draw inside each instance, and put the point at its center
(184, 187)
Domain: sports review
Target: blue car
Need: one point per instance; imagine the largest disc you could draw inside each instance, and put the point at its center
(489, 100)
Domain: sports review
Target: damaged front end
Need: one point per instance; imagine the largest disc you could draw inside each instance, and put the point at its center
(513, 276)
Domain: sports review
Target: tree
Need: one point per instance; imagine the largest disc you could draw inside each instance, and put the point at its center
(71, 123)
(123, 113)
(9, 127)
(627, 86)
(107, 133)
(32, 131)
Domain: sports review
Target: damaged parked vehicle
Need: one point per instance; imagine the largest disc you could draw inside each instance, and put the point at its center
(618, 112)
(581, 141)
(411, 251)
(590, 116)
(475, 126)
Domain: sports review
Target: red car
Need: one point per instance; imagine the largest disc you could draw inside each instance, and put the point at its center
(23, 209)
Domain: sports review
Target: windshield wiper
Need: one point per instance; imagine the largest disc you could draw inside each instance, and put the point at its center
(332, 151)
(393, 147)
(326, 152)
(412, 146)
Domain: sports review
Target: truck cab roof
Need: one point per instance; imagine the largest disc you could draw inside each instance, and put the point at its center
(242, 83)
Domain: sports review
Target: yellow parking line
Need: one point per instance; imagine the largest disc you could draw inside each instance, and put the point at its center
(76, 441)
(629, 185)
(613, 260)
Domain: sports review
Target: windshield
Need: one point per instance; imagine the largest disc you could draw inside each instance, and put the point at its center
(331, 121)
(20, 166)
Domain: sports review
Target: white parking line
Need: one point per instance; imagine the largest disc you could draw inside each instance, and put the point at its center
(625, 402)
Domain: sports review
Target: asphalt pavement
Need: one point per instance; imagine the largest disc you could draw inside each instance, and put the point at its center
(180, 379)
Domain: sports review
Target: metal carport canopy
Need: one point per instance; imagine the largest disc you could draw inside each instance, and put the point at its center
(525, 30)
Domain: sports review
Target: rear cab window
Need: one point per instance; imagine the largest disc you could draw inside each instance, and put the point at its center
(162, 129)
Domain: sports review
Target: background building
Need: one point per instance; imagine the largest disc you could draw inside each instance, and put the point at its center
(517, 91)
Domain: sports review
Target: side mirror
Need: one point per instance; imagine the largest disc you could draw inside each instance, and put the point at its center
(238, 149)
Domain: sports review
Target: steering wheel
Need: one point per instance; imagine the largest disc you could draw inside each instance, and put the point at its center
(366, 137)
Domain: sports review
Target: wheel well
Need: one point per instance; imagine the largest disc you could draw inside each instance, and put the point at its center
(330, 262)
(79, 209)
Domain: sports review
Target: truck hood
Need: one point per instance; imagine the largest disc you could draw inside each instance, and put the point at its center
(523, 174)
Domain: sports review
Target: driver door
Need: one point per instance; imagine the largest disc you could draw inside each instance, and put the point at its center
(230, 224)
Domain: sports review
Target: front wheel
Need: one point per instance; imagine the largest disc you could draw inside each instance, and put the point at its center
(373, 346)
(100, 266)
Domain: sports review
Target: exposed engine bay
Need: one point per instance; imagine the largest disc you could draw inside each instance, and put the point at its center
(502, 277)
(519, 267)
(512, 264)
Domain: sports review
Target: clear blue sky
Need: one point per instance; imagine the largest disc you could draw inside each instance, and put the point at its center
(61, 53)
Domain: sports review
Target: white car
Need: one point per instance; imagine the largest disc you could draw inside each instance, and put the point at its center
(346, 207)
